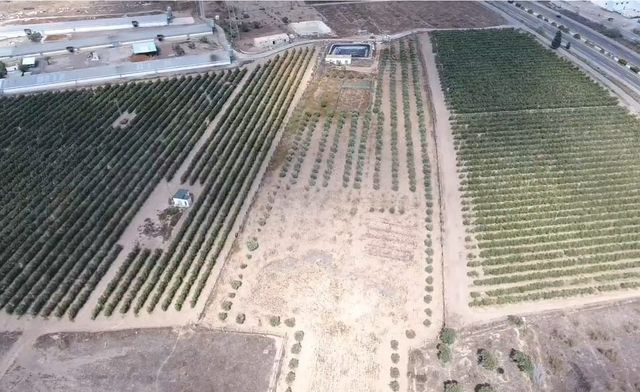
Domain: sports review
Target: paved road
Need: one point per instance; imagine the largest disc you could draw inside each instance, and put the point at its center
(594, 58)
(597, 38)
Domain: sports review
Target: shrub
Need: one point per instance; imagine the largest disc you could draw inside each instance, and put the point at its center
(394, 372)
(523, 361)
(274, 321)
(444, 353)
(296, 348)
(299, 335)
(252, 244)
(240, 318)
(452, 386)
(486, 359)
(447, 336)
(484, 388)
(293, 363)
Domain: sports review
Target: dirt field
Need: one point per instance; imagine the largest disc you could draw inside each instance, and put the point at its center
(258, 18)
(50, 11)
(7, 339)
(344, 263)
(161, 359)
(392, 17)
(573, 351)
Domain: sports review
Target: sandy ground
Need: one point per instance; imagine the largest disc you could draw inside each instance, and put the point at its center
(7, 339)
(586, 349)
(351, 273)
(53, 11)
(452, 231)
(388, 17)
(161, 359)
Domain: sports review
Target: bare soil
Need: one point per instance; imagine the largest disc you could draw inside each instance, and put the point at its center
(387, 17)
(346, 263)
(258, 18)
(580, 350)
(162, 359)
(7, 339)
(55, 11)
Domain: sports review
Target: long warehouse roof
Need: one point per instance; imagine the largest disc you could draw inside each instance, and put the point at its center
(121, 38)
(80, 26)
(62, 79)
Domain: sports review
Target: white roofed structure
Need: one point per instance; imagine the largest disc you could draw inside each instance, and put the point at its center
(145, 47)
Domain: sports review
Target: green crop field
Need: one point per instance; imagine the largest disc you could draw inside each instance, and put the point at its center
(549, 167)
(72, 180)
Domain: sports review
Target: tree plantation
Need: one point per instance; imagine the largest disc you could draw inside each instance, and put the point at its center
(548, 168)
(74, 175)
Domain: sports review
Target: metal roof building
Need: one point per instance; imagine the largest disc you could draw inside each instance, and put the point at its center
(94, 75)
(84, 26)
(144, 47)
(106, 40)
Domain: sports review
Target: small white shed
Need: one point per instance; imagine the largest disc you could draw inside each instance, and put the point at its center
(183, 198)
(29, 61)
(338, 59)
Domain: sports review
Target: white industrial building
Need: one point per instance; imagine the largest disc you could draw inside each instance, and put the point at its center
(629, 9)
(270, 41)
(338, 59)
(313, 28)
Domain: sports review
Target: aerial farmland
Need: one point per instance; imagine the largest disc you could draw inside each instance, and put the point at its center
(447, 204)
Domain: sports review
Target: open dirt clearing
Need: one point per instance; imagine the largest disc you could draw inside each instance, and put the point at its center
(7, 339)
(387, 17)
(160, 359)
(333, 252)
(53, 11)
(593, 349)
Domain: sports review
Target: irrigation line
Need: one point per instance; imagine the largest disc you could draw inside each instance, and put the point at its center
(432, 114)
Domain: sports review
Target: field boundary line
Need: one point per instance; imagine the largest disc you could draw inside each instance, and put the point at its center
(533, 110)
(432, 115)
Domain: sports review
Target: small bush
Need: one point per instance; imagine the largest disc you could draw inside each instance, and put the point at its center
(486, 359)
(291, 377)
(447, 336)
(394, 372)
(296, 348)
(523, 361)
(395, 357)
(252, 244)
(516, 320)
(452, 386)
(394, 385)
(484, 388)
(236, 284)
(240, 318)
(293, 363)
(299, 335)
(274, 321)
(290, 322)
(444, 353)
(410, 333)
(394, 344)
